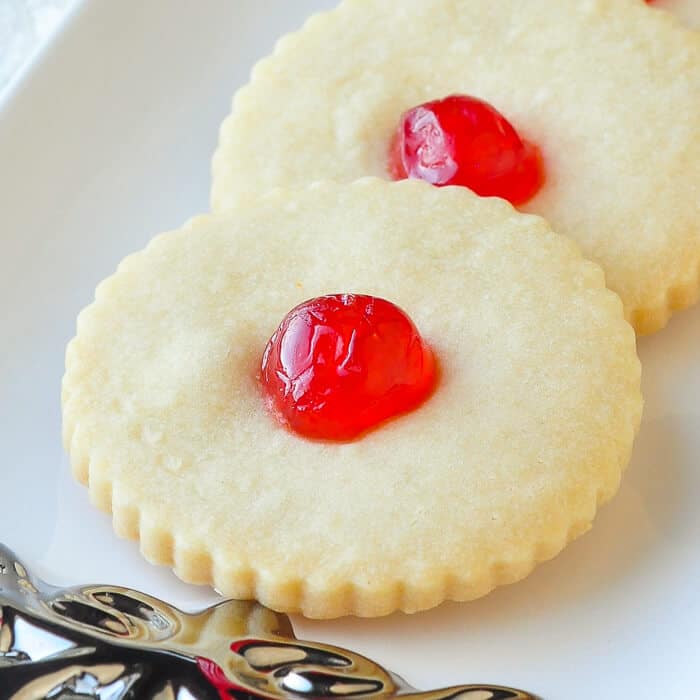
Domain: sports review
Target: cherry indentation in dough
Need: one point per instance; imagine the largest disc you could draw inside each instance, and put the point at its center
(461, 140)
(339, 365)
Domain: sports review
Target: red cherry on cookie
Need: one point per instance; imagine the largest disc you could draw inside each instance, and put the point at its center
(464, 141)
(339, 365)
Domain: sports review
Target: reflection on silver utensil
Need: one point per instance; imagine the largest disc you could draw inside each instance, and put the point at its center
(111, 643)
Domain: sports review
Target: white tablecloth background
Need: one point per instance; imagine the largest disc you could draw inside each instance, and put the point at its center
(24, 26)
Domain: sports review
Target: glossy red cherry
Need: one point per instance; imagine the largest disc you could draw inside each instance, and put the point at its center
(339, 365)
(464, 141)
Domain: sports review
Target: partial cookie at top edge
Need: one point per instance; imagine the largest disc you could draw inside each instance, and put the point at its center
(632, 205)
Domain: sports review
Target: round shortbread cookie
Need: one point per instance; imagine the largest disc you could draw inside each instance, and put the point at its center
(609, 90)
(526, 434)
(687, 10)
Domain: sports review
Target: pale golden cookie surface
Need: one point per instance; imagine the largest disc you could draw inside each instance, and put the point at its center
(688, 11)
(609, 89)
(527, 433)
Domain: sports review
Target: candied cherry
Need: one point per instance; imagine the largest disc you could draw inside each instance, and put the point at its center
(465, 141)
(341, 364)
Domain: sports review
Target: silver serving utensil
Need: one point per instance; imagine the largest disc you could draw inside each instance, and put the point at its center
(112, 643)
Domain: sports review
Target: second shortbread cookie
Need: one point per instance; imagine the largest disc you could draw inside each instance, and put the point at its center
(609, 90)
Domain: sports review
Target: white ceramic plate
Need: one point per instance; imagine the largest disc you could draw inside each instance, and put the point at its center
(106, 142)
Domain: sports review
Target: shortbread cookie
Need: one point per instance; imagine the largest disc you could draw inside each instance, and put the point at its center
(608, 90)
(687, 10)
(526, 433)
